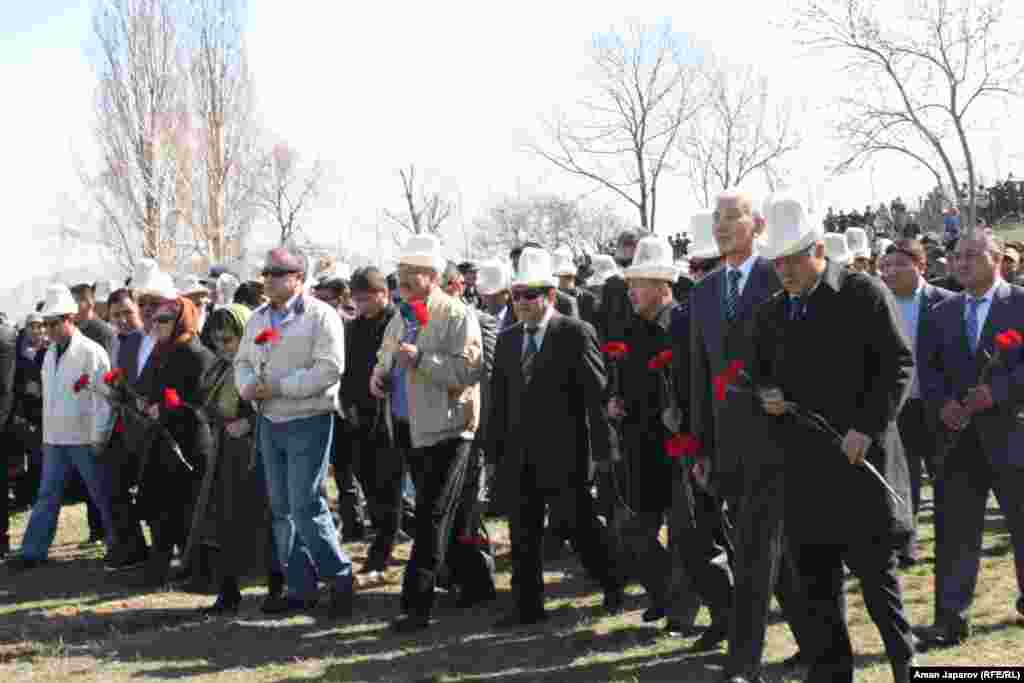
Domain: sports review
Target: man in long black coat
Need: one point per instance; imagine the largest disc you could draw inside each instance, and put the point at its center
(836, 511)
(546, 430)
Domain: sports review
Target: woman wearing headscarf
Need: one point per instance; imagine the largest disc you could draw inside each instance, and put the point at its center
(233, 510)
(172, 387)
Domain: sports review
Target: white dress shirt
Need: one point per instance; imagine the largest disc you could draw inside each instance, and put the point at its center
(744, 269)
(145, 349)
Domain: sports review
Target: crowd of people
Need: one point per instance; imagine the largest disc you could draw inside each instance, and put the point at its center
(775, 399)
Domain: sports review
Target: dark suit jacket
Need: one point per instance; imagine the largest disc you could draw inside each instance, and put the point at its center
(586, 303)
(849, 361)
(558, 422)
(730, 430)
(931, 296)
(489, 337)
(948, 370)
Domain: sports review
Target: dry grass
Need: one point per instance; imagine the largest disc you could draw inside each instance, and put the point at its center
(73, 620)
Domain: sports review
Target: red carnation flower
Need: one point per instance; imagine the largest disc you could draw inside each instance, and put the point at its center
(267, 336)
(728, 377)
(1009, 340)
(615, 350)
(113, 377)
(80, 383)
(477, 541)
(682, 446)
(171, 399)
(119, 426)
(419, 309)
(661, 361)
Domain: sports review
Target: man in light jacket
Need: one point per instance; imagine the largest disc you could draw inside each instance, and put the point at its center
(290, 362)
(76, 425)
(431, 359)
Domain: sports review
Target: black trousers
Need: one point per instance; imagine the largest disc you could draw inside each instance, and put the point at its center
(124, 474)
(827, 642)
(575, 508)
(351, 500)
(439, 473)
(762, 567)
(920, 447)
(380, 468)
(8, 447)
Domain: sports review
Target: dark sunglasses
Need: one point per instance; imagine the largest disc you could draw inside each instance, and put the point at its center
(163, 319)
(528, 294)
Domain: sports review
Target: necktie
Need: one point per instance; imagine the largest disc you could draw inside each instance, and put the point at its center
(796, 308)
(732, 294)
(973, 305)
(530, 354)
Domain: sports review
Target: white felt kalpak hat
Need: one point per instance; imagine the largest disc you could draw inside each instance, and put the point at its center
(653, 260)
(789, 230)
(58, 302)
(564, 265)
(227, 285)
(492, 277)
(702, 234)
(857, 241)
(423, 251)
(190, 284)
(881, 245)
(149, 280)
(836, 248)
(604, 267)
(534, 269)
(104, 288)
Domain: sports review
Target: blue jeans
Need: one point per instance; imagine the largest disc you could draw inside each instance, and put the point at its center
(295, 456)
(57, 461)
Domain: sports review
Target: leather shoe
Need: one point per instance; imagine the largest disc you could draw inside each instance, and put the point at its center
(948, 634)
(516, 619)
(614, 601)
(340, 605)
(20, 564)
(226, 605)
(654, 613)
(279, 605)
(794, 661)
(468, 599)
(410, 623)
(712, 639)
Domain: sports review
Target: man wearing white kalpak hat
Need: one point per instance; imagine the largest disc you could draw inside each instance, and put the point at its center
(428, 372)
(657, 484)
(565, 271)
(546, 429)
(860, 250)
(836, 511)
(76, 425)
(746, 469)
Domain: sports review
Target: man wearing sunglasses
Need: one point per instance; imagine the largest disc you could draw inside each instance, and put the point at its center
(546, 429)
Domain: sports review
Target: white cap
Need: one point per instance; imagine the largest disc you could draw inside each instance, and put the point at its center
(702, 235)
(604, 267)
(190, 284)
(789, 231)
(653, 260)
(534, 269)
(492, 276)
(58, 302)
(564, 264)
(149, 280)
(857, 241)
(227, 285)
(104, 288)
(836, 248)
(423, 251)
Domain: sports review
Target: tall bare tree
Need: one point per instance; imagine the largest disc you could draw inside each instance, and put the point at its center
(288, 191)
(140, 119)
(627, 135)
(425, 211)
(225, 172)
(739, 132)
(917, 90)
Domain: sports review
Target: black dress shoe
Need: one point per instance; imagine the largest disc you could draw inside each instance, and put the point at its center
(654, 613)
(614, 601)
(712, 639)
(340, 605)
(410, 623)
(516, 619)
(471, 598)
(122, 560)
(284, 605)
(226, 605)
(942, 635)
(794, 661)
(20, 564)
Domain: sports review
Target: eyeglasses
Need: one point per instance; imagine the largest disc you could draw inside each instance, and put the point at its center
(164, 319)
(528, 294)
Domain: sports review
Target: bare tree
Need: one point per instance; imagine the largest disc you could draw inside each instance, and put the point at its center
(425, 212)
(916, 89)
(140, 117)
(288, 190)
(226, 167)
(628, 136)
(740, 132)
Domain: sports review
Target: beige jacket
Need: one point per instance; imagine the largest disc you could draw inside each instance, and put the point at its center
(444, 388)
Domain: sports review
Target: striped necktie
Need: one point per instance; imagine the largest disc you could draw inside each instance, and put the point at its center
(973, 304)
(732, 294)
(530, 354)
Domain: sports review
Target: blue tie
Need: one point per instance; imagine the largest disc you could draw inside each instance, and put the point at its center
(796, 307)
(732, 294)
(973, 305)
(530, 354)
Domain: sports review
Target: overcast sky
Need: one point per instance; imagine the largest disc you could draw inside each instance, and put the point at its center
(456, 87)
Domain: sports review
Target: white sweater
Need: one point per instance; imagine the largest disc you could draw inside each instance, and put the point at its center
(71, 419)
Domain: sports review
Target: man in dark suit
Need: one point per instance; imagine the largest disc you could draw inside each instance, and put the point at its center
(745, 468)
(978, 402)
(564, 304)
(836, 511)
(547, 428)
(565, 271)
(8, 364)
(902, 268)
